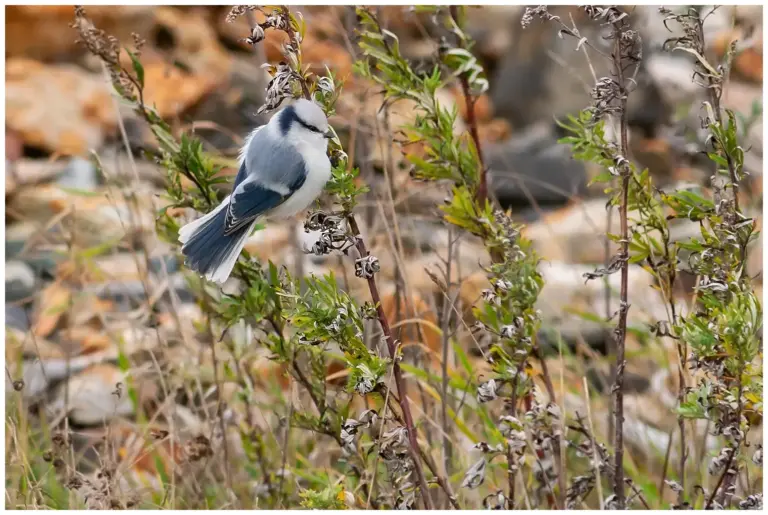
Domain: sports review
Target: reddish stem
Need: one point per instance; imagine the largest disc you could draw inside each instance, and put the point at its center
(402, 393)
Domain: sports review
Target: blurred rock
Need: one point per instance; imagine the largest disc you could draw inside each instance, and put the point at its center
(532, 167)
(76, 115)
(748, 62)
(185, 37)
(79, 174)
(43, 32)
(181, 322)
(569, 304)
(20, 281)
(53, 303)
(39, 362)
(28, 242)
(320, 53)
(483, 106)
(271, 243)
(28, 172)
(118, 167)
(655, 154)
(494, 27)
(382, 143)
(232, 109)
(93, 218)
(172, 90)
(97, 394)
(494, 131)
(576, 234)
(14, 148)
(15, 316)
(541, 76)
(417, 321)
(672, 74)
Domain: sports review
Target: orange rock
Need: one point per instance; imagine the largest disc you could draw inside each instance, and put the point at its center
(54, 302)
(76, 116)
(748, 63)
(171, 90)
(321, 53)
(43, 31)
(273, 45)
(14, 146)
(264, 371)
(141, 452)
(471, 289)
(656, 155)
(483, 106)
(495, 131)
(419, 322)
(90, 342)
(193, 42)
(336, 373)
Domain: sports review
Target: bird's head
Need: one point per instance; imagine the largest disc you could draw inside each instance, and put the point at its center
(306, 120)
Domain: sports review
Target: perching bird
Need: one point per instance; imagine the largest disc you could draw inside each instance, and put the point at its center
(283, 169)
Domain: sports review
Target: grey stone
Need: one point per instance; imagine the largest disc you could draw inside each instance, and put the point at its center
(79, 174)
(534, 166)
(16, 317)
(19, 281)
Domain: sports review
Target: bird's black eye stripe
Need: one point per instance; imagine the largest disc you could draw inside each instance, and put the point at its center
(307, 126)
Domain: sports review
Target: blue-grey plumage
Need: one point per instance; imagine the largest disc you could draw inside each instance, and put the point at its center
(283, 169)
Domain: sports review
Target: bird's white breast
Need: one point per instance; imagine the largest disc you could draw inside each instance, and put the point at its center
(318, 173)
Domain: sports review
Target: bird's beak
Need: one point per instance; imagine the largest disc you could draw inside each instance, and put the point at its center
(329, 134)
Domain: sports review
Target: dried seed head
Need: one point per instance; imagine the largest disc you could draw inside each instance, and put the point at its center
(495, 501)
(486, 391)
(158, 434)
(752, 502)
(257, 35)
(366, 267)
(393, 443)
(475, 475)
(718, 462)
(536, 12)
(238, 11)
(74, 482)
(198, 448)
(61, 440)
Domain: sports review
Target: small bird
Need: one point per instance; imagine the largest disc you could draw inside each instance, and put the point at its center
(283, 168)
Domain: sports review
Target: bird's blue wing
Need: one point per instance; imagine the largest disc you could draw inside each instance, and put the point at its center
(264, 181)
(270, 160)
(246, 204)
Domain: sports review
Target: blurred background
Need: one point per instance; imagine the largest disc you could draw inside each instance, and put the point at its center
(82, 257)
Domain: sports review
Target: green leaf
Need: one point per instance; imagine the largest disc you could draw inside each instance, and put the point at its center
(137, 67)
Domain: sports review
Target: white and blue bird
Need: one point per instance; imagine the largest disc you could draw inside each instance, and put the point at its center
(283, 168)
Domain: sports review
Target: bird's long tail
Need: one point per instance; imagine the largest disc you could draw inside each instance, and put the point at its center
(208, 250)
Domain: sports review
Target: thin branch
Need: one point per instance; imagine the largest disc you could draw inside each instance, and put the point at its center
(621, 330)
(397, 371)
